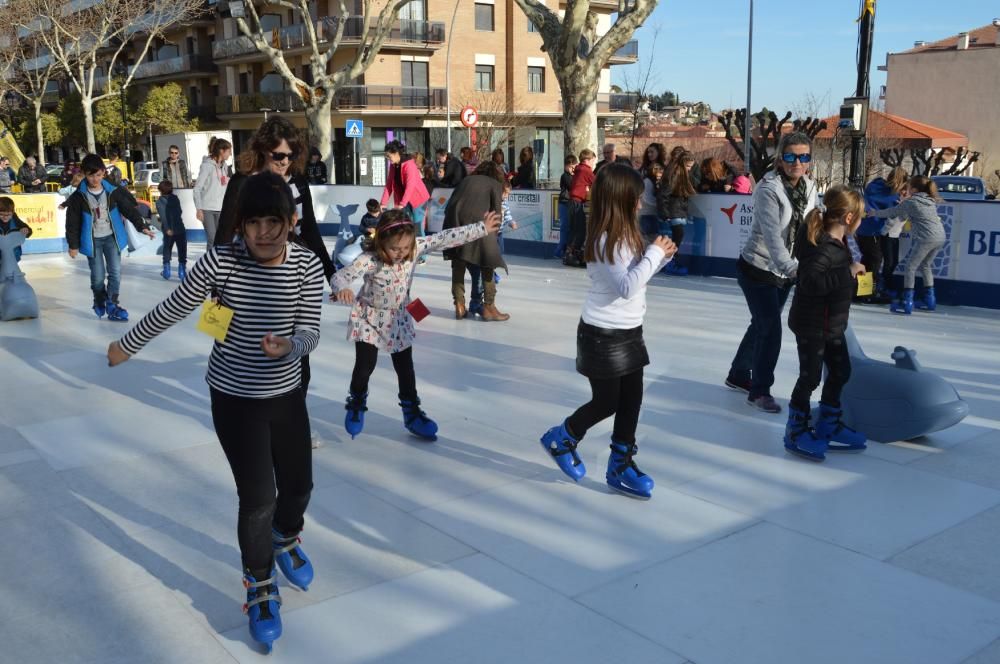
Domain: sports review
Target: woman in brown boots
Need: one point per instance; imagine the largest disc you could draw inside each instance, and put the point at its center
(476, 195)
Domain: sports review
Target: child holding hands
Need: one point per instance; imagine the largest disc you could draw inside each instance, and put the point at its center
(820, 308)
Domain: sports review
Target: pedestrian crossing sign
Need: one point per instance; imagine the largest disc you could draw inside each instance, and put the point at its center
(355, 128)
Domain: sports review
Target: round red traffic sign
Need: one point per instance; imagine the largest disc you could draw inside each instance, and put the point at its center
(470, 116)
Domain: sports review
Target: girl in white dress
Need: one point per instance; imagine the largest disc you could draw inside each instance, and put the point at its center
(380, 315)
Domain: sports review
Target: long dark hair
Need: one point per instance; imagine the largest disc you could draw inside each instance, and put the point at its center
(613, 203)
(269, 136)
(661, 157)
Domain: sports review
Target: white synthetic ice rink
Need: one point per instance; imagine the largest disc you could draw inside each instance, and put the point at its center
(118, 507)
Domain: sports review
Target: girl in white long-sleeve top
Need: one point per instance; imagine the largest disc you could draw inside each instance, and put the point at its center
(610, 350)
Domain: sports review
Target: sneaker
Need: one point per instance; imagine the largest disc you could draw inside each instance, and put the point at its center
(737, 384)
(766, 403)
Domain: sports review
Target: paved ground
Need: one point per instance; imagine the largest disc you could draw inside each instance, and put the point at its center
(119, 509)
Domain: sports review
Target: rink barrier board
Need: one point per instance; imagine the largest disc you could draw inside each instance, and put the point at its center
(967, 271)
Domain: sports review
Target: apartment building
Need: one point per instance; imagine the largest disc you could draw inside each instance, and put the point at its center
(495, 62)
(953, 83)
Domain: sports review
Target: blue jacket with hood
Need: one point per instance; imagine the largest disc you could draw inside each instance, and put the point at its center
(878, 196)
(80, 220)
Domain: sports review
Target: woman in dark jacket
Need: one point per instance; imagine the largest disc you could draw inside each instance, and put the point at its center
(277, 146)
(476, 195)
(820, 308)
(525, 176)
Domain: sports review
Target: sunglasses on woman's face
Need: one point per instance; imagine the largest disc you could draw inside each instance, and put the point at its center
(281, 156)
(790, 157)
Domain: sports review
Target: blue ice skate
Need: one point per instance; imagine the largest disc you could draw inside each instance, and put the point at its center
(263, 609)
(799, 438)
(624, 476)
(838, 436)
(561, 446)
(292, 560)
(165, 272)
(354, 420)
(416, 420)
(181, 272)
(115, 312)
(929, 301)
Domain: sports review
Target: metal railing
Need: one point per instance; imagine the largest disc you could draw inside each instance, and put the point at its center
(348, 97)
(179, 65)
(403, 31)
(630, 51)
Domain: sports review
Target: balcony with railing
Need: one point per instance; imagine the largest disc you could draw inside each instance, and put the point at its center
(349, 97)
(404, 34)
(183, 66)
(626, 55)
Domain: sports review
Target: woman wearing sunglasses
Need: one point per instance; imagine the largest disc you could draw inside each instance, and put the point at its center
(277, 147)
(766, 269)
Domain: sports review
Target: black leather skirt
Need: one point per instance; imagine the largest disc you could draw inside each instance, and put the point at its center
(602, 353)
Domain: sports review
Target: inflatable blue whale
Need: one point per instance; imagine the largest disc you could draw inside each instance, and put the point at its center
(17, 297)
(899, 401)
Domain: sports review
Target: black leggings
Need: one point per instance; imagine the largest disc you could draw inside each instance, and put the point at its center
(871, 252)
(365, 359)
(814, 352)
(578, 225)
(621, 397)
(890, 258)
(267, 443)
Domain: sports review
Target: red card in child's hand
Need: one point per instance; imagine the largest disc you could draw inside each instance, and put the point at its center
(418, 310)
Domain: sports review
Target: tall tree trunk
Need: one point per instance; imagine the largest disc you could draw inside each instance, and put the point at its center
(38, 130)
(579, 99)
(321, 131)
(88, 123)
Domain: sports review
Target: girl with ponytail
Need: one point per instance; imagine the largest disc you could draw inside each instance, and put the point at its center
(820, 308)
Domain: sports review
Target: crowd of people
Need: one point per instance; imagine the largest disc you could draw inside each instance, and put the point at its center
(260, 284)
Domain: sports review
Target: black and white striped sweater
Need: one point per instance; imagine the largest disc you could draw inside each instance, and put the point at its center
(282, 299)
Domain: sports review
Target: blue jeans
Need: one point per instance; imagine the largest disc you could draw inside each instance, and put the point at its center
(758, 352)
(106, 263)
(563, 229)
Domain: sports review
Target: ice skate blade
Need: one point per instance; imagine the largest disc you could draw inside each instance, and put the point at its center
(625, 491)
(804, 455)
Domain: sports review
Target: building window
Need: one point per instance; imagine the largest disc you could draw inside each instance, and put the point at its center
(244, 83)
(531, 26)
(484, 17)
(536, 79)
(484, 78)
(415, 74)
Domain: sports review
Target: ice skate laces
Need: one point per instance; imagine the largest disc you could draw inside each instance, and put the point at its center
(263, 591)
(626, 458)
(291, 547)
(356, 405)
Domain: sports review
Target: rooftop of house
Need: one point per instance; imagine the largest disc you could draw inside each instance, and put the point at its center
(894, 127)
(984, 37)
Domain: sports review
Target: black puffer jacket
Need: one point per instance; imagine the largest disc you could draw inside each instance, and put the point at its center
(822, 300)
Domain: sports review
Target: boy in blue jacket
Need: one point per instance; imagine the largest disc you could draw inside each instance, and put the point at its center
(168, 208)
(94, 227)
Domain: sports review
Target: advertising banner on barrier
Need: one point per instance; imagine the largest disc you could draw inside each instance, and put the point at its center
(727, 222)
(978, 246)
(532, 210)
(41, 212)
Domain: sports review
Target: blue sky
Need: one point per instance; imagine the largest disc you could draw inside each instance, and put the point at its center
(800, 46)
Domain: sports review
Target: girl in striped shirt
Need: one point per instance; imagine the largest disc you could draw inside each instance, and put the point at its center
(273, 288)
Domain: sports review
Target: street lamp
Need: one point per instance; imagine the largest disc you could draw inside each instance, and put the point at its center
(447, 75)
(749, 118)
(122, 71)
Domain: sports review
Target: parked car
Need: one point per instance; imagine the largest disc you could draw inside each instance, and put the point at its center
(54, 172)
(145, 184)
(960, 188)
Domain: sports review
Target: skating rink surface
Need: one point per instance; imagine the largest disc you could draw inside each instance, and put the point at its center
(119, 510)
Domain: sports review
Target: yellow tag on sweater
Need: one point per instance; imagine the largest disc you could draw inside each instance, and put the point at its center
(866, 284)
(214, 320)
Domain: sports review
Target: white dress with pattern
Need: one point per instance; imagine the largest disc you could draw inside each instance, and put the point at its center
(379, 316)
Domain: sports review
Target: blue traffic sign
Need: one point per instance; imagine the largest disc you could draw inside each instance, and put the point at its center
(355, 128)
